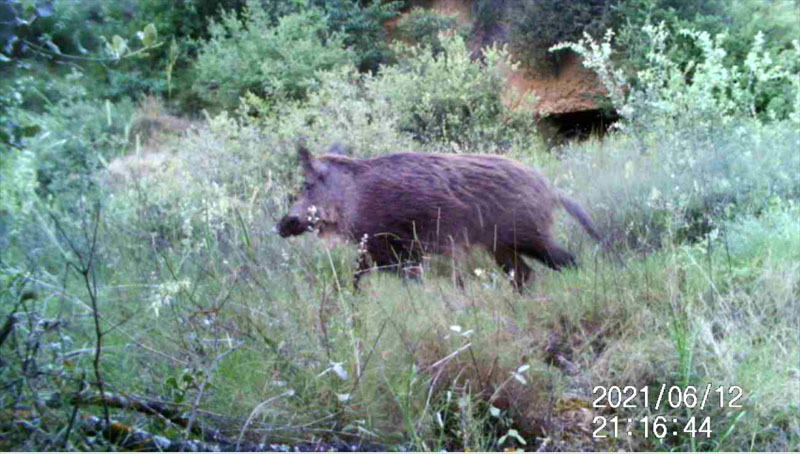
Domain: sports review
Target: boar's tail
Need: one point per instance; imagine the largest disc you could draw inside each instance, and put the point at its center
(578, 213)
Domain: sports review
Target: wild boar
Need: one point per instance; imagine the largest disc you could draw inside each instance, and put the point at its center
(401, 206)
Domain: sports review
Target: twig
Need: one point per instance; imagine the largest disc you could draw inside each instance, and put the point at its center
(477, 371)
(428, 400)
(369, 355)
(203, 385)
(255, 411)
(87, 271)
(450, 356)
(72, 419)
(92, 289)
(101, 61)
(116, 327)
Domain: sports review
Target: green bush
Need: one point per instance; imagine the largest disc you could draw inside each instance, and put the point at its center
(535, 25)
(362, 25)
(699, 137)
(423, 26)
(487, 14)
(343, 109)
(670, 96)
(252, 54)
(732, 25)
(78, 135)
(450, 98)
(78, 33)
(444, 102)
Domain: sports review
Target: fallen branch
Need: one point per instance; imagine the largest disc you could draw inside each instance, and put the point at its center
(170, 412)
(132, 439)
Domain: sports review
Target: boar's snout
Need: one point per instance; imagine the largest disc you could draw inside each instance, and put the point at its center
(290, 226)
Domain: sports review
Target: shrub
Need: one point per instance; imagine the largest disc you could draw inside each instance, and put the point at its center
(535, 25)
(252, 54)
(444, 102)
(422, 26)
(64, 30)
(344, 109)
(78, 135)
(362, 26)
(733, 26)
(449, 98)
(668, 96)
(488, 14)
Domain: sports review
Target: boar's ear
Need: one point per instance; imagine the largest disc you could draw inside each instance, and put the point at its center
(311, 167)
(305, 158)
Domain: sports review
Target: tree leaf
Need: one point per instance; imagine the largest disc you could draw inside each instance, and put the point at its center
(117, 46)
(150, 35)
(30, 130)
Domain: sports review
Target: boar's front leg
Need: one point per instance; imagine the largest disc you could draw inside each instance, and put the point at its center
(385, 254)
(375, 252)
(362, 269)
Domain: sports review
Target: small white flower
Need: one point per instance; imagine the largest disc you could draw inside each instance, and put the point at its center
(337, 369)
(362, 244)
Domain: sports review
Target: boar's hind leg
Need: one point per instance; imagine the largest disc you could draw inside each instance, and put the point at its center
(550, 254)
(509, 261)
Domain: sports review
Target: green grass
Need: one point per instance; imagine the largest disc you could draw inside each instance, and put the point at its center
(426, 365)
(658, 319)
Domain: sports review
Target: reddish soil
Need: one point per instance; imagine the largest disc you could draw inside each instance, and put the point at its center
(571, 91)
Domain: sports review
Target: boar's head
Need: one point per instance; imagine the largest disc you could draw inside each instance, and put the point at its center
(329, 181)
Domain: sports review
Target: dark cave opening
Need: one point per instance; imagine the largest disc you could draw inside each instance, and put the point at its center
(558, 129)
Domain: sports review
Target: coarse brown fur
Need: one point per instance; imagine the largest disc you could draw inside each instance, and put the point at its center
(403, 205)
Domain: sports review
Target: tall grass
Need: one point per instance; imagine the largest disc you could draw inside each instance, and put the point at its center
(428, 365)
